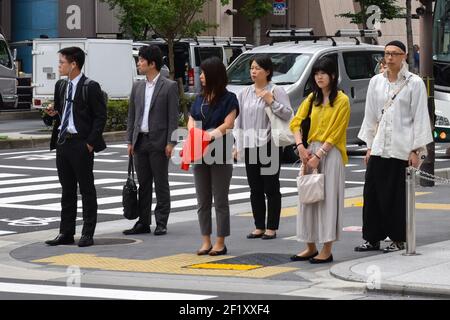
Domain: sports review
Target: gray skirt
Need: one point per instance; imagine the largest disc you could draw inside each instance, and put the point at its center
(322, 221)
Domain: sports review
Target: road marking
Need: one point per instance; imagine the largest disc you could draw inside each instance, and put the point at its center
(31, 197)
(225, 266)
(125, 173)
(171, 183)
(51, 186)
(4, 233)
(109, 160)
(98, 293)
(23, 152)
(27, 180)
(10, 175)
(354, 182)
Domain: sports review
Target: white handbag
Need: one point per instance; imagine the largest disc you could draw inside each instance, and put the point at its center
(311, 187)
(282, 135)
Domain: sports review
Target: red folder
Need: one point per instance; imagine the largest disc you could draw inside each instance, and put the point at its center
(194, 147)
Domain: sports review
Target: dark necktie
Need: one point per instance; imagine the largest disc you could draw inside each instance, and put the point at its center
(67, 111)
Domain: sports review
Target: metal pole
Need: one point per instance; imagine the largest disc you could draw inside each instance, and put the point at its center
(410, 212)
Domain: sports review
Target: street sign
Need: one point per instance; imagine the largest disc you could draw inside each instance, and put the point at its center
(279, 8)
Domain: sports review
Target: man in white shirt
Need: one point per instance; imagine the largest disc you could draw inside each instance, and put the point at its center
(152, 118)
(396, 127)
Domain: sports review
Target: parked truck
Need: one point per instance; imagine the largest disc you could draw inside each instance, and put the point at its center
(8, 83)
(108, 61)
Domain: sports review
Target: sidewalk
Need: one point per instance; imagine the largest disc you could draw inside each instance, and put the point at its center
(427, 273)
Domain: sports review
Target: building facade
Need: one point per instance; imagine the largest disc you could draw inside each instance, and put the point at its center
(27, 19)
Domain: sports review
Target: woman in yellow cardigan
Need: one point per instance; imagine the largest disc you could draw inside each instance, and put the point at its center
(322, 221)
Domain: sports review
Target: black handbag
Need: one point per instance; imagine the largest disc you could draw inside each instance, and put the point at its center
(130, 194)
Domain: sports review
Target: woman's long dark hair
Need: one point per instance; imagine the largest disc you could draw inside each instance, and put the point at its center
(216, 79)
(328, 66)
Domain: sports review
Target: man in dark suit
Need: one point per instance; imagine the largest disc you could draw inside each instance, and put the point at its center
(78, 121)
(152, 118)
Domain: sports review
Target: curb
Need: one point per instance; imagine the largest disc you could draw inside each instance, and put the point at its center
(343, 271)
(115, 136)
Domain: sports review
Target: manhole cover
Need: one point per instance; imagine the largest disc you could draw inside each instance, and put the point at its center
(112, 241)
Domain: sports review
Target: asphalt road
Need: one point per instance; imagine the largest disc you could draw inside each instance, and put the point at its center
(30, 190)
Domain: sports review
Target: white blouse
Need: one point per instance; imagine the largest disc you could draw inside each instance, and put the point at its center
(405, 125)
(252, 126)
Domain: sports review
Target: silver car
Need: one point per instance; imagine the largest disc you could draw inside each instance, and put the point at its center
(8, 82)
(292, 67)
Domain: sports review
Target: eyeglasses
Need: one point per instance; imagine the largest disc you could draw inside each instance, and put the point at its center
(393, 54)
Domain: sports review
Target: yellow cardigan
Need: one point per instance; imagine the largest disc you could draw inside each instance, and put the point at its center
(328, 123)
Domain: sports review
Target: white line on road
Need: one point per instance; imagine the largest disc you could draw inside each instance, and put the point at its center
(4, 233)
(98, 293)
(51, 186)
(10, 175)
(354, 182)
(31, 197)
(27, 180)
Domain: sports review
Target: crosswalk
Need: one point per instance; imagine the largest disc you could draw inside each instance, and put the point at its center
(29, 184)
(35, 194)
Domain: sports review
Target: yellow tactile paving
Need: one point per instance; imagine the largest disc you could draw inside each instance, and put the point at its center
(225, 266)
(433, 206)
(176, 264)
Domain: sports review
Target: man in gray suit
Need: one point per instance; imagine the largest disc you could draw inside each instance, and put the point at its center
(152, 118)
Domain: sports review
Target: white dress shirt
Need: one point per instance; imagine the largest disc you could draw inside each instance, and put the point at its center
(71, 126)
(405, 125)
(252, 126)
(149, 90)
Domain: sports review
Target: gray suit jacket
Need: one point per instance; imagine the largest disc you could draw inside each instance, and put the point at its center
(163, 115)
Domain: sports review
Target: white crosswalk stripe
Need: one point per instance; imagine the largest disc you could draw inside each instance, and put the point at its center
(98, 292)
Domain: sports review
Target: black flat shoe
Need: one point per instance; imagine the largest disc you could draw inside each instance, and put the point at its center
(268, 237)
(254, 235)
(218, 253)
(317, 261)
(300, 258)
(204, 252)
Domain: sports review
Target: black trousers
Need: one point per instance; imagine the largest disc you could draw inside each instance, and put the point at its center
(384, 210)
(152, 166)
(75, 167)
(264, 184)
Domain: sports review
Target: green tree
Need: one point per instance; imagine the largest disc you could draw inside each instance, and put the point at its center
(389, 11)
(254, 10)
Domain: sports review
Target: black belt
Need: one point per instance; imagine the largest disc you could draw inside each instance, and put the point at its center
(144, 133)
(72, 136)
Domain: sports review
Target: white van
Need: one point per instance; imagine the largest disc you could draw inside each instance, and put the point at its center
(189, 54)
(108, 61)
(8, 83)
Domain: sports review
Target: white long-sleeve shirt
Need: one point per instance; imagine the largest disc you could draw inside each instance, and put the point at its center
(252, 126)
(405, 125)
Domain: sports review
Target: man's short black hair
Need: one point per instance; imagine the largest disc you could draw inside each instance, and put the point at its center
(74, 54)
(152, 53)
